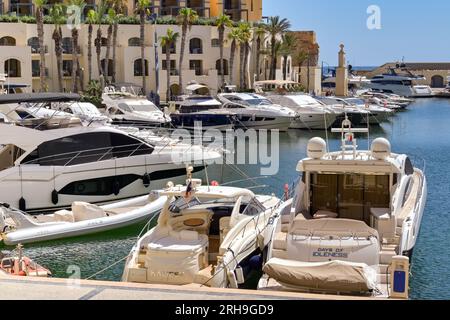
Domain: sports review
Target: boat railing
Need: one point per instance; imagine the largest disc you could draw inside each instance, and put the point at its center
(94, 155)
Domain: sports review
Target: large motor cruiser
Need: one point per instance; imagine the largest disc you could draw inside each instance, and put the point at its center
(311, 114)
(126, 108)
(48, 170)
(34, 110)
(206, 235)
(257, 112)
(397, 83)
(356, 114)
(352, 225)
(199, 109)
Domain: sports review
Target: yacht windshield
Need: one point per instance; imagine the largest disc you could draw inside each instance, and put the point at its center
(258, 102)
(182, 203)
(143, 107)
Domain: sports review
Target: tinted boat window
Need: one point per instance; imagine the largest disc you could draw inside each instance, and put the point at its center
(98, 187)
(85, 148)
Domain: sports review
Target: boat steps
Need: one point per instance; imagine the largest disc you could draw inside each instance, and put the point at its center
(285, 227)
(383, 268)
(279, 254)
(280, 241)
(383, 278)
(386, 256)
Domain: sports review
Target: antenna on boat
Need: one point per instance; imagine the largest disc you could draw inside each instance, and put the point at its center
(348, 140)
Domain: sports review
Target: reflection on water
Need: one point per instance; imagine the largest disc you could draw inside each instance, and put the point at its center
(422, 131)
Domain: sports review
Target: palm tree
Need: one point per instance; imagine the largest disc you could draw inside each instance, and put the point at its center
(110, 20)
(288, 46)
(222, 23)
(101, 9)
(79, 4)
(246, 35)
(142, 10)
(57, 17)
(91, 20)
(40, 30)
(276, 27)
(186, 18)
(119, 7)
(168, 41)
(235, 37)
(260, 34)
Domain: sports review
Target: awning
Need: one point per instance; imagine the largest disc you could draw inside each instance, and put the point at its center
(39, 97)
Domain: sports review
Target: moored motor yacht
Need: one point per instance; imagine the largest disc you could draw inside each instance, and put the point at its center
(33, 110)
(198, 109)
(354, 113)
(49, 170)
(401, 83)
(125, 108)
(352, 224)
(257, 112)
(377, 114)
(206, 235)
(311, 114)
(87, 112)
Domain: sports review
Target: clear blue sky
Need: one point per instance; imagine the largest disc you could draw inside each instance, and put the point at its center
(417, 30)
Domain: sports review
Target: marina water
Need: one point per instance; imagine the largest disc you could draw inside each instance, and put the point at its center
(422, 131)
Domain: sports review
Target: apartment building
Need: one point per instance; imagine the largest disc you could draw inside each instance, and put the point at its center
(19, 48)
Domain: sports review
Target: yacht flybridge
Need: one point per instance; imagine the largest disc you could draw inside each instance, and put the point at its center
(206, 235)
(48, 170)
(352, 225)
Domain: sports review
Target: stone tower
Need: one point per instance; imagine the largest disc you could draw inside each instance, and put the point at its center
(342, 75)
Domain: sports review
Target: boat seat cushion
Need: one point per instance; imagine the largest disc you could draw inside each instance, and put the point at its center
(189, 242)
(83, 211)
(64, 216)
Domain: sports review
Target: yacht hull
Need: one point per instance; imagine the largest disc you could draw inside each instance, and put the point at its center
(92, 183)
(313, 121)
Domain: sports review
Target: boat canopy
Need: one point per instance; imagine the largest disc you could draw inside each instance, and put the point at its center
(38, 97)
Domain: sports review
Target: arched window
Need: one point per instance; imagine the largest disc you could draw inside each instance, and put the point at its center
(138, 67)
(134, 42)
(33, 42)
(110, 67)
(196, 46)
(225, 67)
(13, 68)
(67, 45)
(7, 41)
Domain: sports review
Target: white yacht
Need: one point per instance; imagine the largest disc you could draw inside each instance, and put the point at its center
(87, 112)
(377, 114)
(33, 110)
(352, 225)
(125, 108)
(423, 91)
(206, 235)
(48, 170)
(396, 83)
(356, 114)
(257, 112)
(311, 114)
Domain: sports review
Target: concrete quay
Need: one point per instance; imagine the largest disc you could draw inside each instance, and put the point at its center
(16, 288)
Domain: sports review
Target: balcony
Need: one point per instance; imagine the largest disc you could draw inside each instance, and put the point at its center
(237, 14)
(22, 9)
(36, 49)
